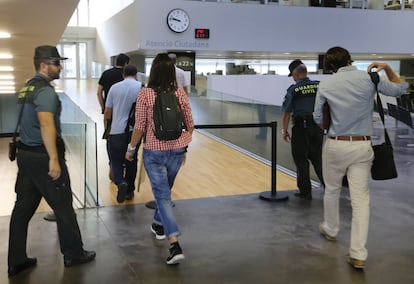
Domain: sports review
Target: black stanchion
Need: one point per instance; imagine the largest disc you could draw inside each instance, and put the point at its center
(273, 195)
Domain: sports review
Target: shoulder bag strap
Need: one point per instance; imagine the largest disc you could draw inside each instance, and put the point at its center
(18, 121)
(375, 79)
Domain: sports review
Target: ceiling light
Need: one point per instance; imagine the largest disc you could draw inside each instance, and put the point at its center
(11, 91)
(4, 35)
(6, 68)
(6, 56)
(7, 83)
(6, 77)
(7, 88)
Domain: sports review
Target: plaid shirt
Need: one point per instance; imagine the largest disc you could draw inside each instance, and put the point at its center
(144, 120)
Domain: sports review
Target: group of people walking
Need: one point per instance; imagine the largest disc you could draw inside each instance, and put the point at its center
(42, 172)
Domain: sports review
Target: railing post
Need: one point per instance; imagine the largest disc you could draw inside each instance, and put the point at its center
(273, 196)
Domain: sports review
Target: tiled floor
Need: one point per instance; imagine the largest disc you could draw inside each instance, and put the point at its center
(237, 239)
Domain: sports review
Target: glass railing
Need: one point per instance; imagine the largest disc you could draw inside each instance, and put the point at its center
(351, 4)
(215, 108)
(79, 134)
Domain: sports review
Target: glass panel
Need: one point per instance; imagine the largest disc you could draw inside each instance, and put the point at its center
(210, 107)
(83, 13)
(83, 67)
(70, 65)
(79, 133)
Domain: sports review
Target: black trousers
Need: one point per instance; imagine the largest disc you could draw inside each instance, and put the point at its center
(33, 183)
(307, 146)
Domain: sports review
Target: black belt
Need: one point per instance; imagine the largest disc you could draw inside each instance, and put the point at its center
(37, 149)
(351, 138)
(60, 145)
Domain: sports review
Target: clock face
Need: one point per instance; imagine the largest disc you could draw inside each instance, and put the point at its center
(178, 20)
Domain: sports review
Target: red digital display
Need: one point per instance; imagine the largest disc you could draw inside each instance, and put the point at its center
(202, 33)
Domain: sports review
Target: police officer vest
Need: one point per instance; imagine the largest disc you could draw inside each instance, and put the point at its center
(303, 98)
(28, 93)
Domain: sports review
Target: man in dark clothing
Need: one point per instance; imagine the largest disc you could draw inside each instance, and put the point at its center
(110, 77)
(307, 136)
(42, 168)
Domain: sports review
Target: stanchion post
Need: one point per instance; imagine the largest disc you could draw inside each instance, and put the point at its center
(272, 195)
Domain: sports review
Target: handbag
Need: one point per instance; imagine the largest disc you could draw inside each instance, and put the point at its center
(383, 165)
(326, 115)
(14, 142)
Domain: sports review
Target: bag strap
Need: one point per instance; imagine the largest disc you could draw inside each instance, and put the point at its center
(18, 121)
(375, 79)
(131, 111)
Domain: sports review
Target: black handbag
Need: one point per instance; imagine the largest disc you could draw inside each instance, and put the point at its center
(14, 142)
(383, 166)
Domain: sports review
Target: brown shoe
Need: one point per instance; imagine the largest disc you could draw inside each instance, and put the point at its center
(325, 234)
(356, 263)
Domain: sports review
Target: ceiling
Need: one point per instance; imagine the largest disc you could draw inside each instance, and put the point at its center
(38, 22)
(30, 23)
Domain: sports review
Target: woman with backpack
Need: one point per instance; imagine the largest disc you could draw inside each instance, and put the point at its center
(157, 115)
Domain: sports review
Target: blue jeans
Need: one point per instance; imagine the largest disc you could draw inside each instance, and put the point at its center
(123, 170)
(162, 168)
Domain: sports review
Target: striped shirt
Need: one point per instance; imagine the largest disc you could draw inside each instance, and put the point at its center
(144, 120)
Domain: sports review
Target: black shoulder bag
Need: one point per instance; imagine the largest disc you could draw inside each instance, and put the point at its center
(13, 143)
(383, 166)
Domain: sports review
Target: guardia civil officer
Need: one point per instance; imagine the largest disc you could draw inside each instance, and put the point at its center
(42, 170)
(307, 137)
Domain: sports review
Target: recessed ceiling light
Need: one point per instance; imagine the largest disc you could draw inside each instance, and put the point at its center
(7, 88)
(6, 68)
(8, 91)
(6, 77)
(7, 83)
(4, 35)
(6, 56)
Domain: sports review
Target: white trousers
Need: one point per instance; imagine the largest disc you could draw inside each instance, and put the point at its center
(354, 159)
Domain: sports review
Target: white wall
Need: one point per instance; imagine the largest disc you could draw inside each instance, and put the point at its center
(270, 89)
(142, 26)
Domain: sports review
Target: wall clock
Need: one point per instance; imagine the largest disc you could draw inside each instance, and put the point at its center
(178, 20)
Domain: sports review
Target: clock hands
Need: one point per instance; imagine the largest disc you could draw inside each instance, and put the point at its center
(176, 19)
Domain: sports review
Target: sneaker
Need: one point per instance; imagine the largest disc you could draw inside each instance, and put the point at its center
(158, 231)
(176, 254)
(355, 263)
(325, 234)
(122, 192)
